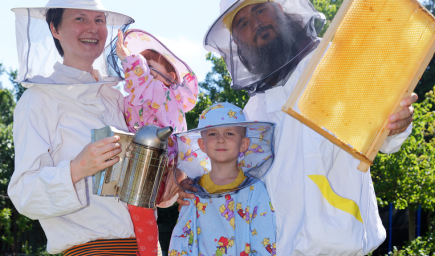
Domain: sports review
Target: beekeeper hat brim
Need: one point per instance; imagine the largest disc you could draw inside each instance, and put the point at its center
(115, 18)
(37, 53)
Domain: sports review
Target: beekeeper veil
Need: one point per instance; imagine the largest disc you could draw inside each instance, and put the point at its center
(254, 162)
(262, 41)
(37, 52)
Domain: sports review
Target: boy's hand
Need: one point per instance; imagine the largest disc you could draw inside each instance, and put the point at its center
(187, 185)
(121, 48)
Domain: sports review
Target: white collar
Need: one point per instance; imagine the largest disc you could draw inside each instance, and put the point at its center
(65, 75)
(78, 87)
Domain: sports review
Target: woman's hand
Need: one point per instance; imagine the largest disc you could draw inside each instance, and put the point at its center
(187, 185)
(121, 48)
(95, 157)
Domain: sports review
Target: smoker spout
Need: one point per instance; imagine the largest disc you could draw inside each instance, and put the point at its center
(164, 133)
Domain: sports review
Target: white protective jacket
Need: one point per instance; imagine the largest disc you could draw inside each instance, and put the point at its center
(52, 124)
(323, 204)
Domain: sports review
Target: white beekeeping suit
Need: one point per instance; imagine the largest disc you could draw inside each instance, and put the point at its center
(52, 124)
(323, 204)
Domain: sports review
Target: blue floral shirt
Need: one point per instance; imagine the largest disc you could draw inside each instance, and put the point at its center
(241, 223)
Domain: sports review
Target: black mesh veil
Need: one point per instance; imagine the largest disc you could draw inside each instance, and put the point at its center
(254, 162)
(266, 42)
(37, 52)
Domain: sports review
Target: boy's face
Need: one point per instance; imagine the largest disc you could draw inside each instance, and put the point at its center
(223, 144)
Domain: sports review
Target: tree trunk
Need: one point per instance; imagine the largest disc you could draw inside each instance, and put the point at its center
(411, 220)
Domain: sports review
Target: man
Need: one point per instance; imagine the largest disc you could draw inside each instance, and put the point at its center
(323, 204)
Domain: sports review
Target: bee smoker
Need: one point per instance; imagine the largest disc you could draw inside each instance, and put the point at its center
(144, 164)
(106, 181)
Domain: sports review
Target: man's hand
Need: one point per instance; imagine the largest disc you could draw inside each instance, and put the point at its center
(401, 120)
(187, 185)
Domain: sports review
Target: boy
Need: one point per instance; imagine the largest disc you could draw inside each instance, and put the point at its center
(231, 213)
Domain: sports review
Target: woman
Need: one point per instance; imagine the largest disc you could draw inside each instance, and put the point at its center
(52, 128)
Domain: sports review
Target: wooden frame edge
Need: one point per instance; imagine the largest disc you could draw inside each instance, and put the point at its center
(380, 139)
(317, 55)
(329, 136)
(367, 159)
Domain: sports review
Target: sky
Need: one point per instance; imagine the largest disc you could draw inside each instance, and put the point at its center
(180, 25)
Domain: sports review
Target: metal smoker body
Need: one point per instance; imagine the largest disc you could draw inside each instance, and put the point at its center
(143, 166)
(105, 182)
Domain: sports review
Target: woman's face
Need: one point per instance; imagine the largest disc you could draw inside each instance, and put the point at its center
(82, 34)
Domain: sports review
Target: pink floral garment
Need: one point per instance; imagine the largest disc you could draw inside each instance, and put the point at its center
(151, 102)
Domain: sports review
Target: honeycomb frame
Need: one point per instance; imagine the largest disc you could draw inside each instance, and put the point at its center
(373, 13)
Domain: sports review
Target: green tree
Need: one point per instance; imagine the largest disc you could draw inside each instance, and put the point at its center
(407, 178)
(329, 8)
(7, 103)
(6, 164)
(9, 217)
(12, 224)
(192, 117)
(18, 88)
(423, 246)
(215, 88)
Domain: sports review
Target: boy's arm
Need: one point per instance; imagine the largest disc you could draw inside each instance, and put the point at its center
(184, 239)
(187, 92)
(262, 226)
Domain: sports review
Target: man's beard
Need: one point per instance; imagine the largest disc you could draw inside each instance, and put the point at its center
(266, 59)
(272, 56)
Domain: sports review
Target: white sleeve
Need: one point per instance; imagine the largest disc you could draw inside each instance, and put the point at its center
(375, 231)
(38, 189)
(393, 143)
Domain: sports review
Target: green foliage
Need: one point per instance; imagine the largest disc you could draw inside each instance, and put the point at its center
(5, 225)
(6, 156)
(18, 88)
(8, 212)
(192, 117)
(407, 178)
(420, 246)
(40, 251)
(7, 105)
(215, 88)
(12, 224)
(218, 84)
(329, 8)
